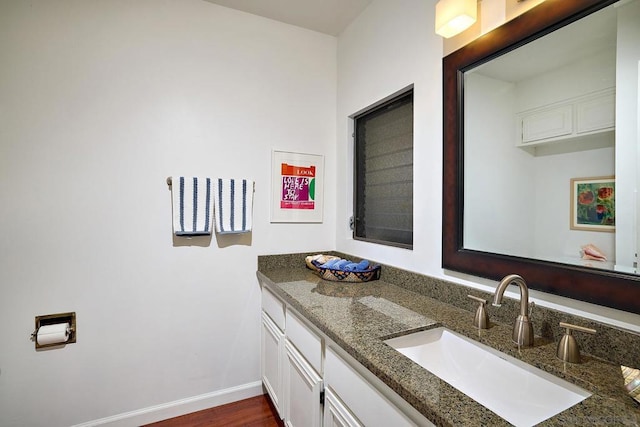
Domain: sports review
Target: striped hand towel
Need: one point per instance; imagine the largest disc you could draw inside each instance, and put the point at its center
(192, 199)
(233, 201)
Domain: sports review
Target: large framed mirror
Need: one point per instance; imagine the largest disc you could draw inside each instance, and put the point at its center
(541, 152)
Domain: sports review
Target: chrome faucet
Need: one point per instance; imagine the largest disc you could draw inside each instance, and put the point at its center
(523, 328)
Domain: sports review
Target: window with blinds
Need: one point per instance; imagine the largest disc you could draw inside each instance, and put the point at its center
(383, 193)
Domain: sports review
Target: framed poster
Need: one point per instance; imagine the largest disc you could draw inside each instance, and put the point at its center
(296, 187)
(593, 206)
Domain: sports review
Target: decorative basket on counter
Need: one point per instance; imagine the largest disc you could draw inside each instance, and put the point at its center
(313, 261)
(350, 276)
(336, 275)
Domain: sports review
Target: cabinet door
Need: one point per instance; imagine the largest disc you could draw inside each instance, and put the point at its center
(550, 123)
(272, 350)
(302, 391)
(596, 114)
(336, 413)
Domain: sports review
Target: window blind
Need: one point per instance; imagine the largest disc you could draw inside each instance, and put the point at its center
(384, 173)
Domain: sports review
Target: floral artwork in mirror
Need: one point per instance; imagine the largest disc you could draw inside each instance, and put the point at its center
(593, 204)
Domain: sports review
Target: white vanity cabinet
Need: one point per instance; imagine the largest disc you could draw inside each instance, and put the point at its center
(272, 349)
(313, 383)
(303, 383)
(573, 118)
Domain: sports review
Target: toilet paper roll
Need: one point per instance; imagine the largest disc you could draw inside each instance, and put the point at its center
(53, 334)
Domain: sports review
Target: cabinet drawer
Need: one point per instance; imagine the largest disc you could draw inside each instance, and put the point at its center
(366, 402)
(273, 307)
(305, 340)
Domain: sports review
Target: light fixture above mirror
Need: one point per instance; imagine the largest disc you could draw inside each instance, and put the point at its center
(455, 16)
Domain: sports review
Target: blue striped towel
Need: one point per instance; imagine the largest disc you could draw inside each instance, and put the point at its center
(233, 201)
(192, 198)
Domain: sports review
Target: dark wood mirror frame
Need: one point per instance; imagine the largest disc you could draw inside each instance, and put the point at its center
(601, 287)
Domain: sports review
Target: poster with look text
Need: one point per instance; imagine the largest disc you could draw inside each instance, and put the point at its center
(296, 187)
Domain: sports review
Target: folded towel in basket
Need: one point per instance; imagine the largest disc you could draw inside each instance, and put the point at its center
(340, 264)
(357, 266)
(192, 203)
(233, 201)
(331, 263)
(346, 265)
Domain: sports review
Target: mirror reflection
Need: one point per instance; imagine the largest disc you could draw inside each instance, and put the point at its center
(551, 145)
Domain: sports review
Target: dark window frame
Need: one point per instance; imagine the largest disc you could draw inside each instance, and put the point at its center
(399, 236)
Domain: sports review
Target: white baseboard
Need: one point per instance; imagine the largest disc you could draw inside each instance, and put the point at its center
(178, 407)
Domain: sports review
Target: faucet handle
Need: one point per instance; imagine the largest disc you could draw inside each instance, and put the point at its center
(573, 327)
(568, 349)
(481, 319)
(475, 298)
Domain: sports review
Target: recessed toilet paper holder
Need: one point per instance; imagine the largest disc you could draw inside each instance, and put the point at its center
(52, 319)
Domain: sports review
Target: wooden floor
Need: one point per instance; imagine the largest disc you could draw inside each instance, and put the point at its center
(254, 412)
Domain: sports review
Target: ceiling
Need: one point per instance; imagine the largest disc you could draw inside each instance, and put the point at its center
(325, 16)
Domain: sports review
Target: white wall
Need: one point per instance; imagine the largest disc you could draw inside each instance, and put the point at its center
(499, 197)
(100, 101)
(392, 45)
(590, 74)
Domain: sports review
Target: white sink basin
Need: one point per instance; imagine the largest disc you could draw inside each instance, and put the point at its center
(520, 393)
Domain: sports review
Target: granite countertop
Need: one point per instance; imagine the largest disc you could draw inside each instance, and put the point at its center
(358, 317)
